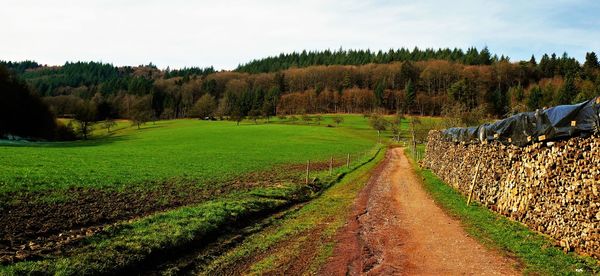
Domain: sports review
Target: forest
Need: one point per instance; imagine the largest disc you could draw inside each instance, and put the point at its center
(466, 84)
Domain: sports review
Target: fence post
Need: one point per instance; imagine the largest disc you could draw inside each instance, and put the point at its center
(473, 183)
(331, 165)
(348, 161)
(307, 170)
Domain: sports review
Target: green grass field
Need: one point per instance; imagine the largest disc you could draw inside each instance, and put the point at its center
(185, 149)
(144, 163)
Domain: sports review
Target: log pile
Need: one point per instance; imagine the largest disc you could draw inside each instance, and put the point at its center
(552, 187)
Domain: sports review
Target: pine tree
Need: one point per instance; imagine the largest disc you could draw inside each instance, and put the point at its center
(545, 66)
(485, 57)
(410, 96)
(591, 65)
(532, 61)
(379, 94)
(347, 82)
(567, 92)
(535, 97)
(591, 61)
(499, 101)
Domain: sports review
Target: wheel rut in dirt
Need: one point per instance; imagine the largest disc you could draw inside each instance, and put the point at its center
(396, 228)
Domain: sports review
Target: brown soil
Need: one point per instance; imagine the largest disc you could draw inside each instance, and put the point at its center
(396, 228)
(30, 229)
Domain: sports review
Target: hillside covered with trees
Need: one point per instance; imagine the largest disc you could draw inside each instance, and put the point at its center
(425, 82)
(361, 57)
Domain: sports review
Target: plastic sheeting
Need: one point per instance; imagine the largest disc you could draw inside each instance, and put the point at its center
(555, 123)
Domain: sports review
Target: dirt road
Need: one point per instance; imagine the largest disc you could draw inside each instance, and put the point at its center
(396, 228)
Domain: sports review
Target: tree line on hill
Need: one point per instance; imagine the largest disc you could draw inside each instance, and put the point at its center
(443, 82)
(361, 57)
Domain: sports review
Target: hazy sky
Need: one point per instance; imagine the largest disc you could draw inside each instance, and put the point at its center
(181, 33)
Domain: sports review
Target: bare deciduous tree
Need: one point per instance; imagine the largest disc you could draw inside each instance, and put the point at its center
(378, 123)
(338, 120)
(85, 118)
(141, 111)
(108, 124)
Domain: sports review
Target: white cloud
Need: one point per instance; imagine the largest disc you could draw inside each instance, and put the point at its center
(225, 33)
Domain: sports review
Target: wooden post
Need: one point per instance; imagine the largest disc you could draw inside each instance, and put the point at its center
(331, 166)
(473, 183)
(348, 161)
(307, 171)
(414, 138)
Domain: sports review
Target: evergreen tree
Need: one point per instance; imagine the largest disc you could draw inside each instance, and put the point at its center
(280, 82)
(408, 71)
(346, 82)
(567, 92)
(379, 94)
(499, 102)
(410, 95)
(553, 65)
(591, 65)
(532, 61)
(591, 61)
(485, 57)
(545, 66)
(535, 98)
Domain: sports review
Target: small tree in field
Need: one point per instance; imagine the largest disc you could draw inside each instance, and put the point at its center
(306, 118)
(267, 110)
(397, 126)
(237, 115)
(318, 118)
(338, 120)
(141, 111)
(378, 123)
(85, 117)
(254, 115)
(108, 124)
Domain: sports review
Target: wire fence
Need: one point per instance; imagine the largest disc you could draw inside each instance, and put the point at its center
(338, 161)
(414, 148)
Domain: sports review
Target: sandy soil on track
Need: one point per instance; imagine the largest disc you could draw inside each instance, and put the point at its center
(396, 228)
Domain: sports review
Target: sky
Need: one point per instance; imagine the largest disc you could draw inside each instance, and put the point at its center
(223, 34)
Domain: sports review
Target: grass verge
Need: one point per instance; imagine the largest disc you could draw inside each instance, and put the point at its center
(535, 252)
(301, 242)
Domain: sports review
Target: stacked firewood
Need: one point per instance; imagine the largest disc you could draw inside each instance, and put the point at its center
(552, 187)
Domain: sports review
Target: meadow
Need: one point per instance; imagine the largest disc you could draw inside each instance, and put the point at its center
(128, 192)
(188, 149)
